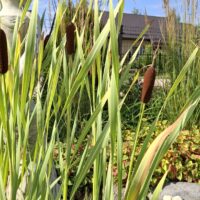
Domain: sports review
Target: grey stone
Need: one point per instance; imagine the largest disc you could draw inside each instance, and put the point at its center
(115, 190)
(183, 190)
(22, 189)
(177, 198)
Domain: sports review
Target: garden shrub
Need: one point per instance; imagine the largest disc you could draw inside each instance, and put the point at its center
(182, 159)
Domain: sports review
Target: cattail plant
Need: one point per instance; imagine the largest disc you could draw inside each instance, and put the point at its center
(70, 33)
(149, 79)
(3, 53)
(147, 88)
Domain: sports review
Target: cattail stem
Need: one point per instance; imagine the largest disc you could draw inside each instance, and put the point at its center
(142, 107)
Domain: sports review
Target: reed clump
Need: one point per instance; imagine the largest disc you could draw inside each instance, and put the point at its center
(180, 36)
(91, 144)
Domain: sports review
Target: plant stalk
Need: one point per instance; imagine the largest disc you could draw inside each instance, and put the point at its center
(142, 107)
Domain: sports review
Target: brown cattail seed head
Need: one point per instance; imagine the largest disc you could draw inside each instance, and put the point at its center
(148, 84)
(70, 33)
(3, 53)
(46, 39)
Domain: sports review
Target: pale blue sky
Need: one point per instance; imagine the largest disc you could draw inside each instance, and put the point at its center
(153, 7)
(149, 7)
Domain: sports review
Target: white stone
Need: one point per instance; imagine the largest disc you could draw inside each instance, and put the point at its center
(177, 198)
(167, 197)
(8, 7)
(9, 12)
